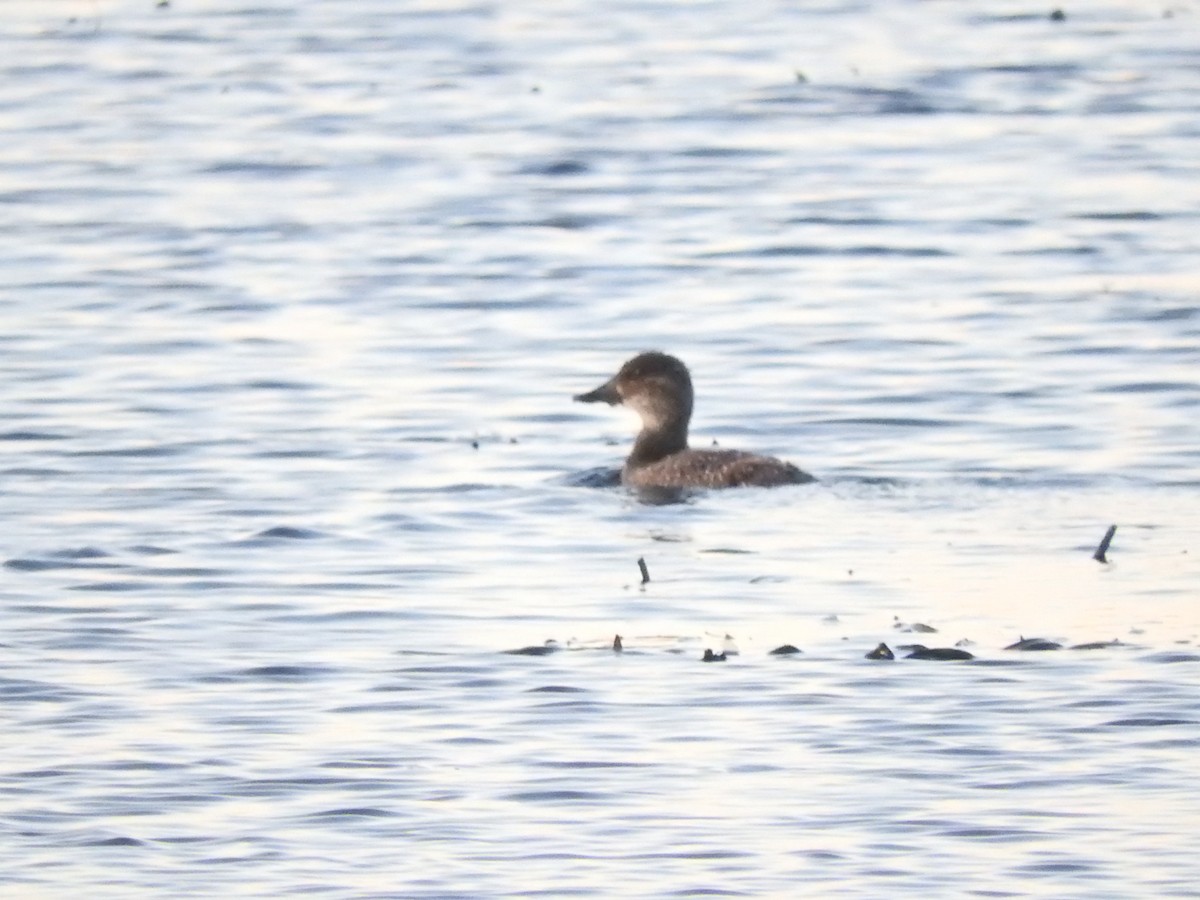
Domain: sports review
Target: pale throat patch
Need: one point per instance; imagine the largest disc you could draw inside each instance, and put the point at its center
(650, 413)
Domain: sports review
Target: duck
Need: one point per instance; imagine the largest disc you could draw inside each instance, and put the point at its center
(658, 387)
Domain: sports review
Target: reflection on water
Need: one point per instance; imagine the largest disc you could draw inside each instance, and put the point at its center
(295, 302)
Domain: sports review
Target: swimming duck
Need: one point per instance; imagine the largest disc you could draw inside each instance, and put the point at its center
(658, 388)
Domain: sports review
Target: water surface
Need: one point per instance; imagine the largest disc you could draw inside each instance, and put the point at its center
(294, 301)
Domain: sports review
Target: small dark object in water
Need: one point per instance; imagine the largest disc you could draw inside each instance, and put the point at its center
(1099, 645)
(883, 651)
(536, 650)
(784, 650)
(617, 648)
(919, 651)
(1058, 16)
(645, 571)
(1034, 644)
(709, 656)
(1101, 554)
(917, 627)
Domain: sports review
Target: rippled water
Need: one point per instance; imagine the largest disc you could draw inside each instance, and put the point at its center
(294, 301)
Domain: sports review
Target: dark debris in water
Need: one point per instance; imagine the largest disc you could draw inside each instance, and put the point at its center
(1034, 644)
(1100, 645)
(536, 649)
(785, 650)
(1101, 554)
(913, 627)
(920, 651)
(882, 651)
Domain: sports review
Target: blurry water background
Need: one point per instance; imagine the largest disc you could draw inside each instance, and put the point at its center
(295, 296)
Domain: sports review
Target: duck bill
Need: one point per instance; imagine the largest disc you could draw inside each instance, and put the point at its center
(606, 393)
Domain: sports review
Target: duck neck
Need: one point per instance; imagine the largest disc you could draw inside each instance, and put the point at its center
(653, 444)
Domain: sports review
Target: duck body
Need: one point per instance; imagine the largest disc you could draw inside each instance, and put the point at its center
(712, 469)
(659, 388)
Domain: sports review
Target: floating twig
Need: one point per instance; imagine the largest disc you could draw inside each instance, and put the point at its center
(1101, 554)
(644, 570)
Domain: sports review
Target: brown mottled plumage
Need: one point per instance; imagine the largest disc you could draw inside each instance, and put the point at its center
(659, 389)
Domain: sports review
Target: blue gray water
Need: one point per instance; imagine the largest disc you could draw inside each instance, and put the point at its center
(295, 297)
